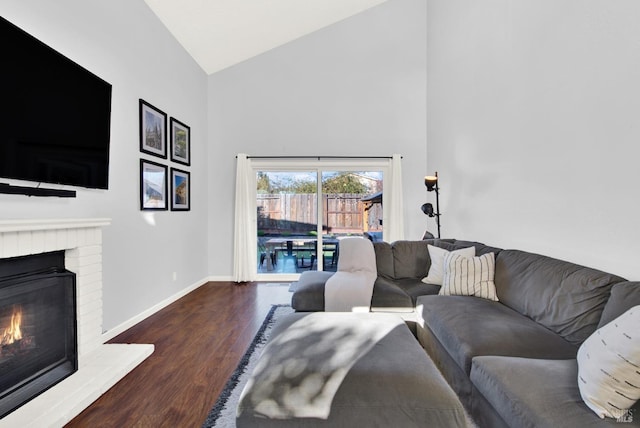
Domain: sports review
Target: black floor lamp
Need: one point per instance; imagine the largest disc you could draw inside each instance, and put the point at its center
(431, 181)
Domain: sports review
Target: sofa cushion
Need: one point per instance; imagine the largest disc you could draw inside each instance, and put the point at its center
(469, 276)
(309, 294)
(410, 259)
(562, 296)
(609, 366)
(535, 392)
(384, 259)
(435, 273)
(415, 288)
(389, 297)
(470, 326)
(624, 296)
(454, 244)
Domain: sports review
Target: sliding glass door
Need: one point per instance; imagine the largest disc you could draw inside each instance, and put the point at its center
(302, 213)
(287, 218)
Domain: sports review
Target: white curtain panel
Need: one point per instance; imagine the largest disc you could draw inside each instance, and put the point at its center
(245, 246)
(394, 228)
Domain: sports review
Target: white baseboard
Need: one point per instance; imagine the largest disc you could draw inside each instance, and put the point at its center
(110, 334)
(226, 278)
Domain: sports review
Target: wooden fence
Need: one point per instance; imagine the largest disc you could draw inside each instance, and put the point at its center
(297, 213)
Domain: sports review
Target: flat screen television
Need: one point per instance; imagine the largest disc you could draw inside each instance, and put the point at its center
(55, 115)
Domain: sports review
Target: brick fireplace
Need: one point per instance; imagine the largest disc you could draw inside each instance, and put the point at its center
(100, 365)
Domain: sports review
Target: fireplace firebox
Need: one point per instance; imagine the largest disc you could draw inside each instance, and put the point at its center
(38, 344)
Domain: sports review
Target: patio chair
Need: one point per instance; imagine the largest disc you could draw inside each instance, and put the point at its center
(288, 253)
(312, 256)
(333, 249)
(335, 253)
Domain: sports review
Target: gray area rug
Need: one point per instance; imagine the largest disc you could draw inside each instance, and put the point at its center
(223, 413)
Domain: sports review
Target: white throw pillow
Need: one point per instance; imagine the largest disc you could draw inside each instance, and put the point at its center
(609, 366)
(437, 254)
(469, 276)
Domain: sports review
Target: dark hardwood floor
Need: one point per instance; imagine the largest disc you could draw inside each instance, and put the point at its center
(199, 341)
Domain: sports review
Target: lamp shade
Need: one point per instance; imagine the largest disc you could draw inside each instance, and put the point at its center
(427, 209)
(430, 181)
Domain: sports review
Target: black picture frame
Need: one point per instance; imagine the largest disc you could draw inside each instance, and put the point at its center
(180, 142)
(153, 186)
(153, 130)
(180, 190)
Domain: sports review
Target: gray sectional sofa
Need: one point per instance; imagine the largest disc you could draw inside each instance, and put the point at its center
(401, 266)
(512, 362)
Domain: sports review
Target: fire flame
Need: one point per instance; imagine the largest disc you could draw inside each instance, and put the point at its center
(12, 333)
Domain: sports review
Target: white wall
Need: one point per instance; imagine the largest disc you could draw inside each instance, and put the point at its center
(355, 88)
(533, 110)
(124, 43)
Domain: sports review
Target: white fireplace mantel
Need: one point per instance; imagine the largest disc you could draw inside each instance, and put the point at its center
(100, 365)
(33, 225)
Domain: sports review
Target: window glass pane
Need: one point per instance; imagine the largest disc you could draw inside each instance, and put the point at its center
(287, 221)
(352, 203)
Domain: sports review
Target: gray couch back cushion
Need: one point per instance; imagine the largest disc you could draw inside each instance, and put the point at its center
(410, 259)
(624, 296)
(564, 297)
(457, 244)
(384, 259)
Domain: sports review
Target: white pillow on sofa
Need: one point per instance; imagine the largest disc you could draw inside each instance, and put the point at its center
(609, 366)
(437, 254)
(469, 276)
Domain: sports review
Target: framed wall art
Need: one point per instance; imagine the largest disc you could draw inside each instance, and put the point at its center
(153, 186)
(180, 190)
(153, 130)
(180, 142)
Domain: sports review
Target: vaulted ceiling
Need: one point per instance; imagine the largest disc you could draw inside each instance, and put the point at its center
(221, 33)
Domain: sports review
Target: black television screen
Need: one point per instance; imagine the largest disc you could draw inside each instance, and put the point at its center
(55, 115)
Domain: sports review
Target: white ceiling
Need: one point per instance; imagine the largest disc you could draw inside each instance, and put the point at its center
(221, 33)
